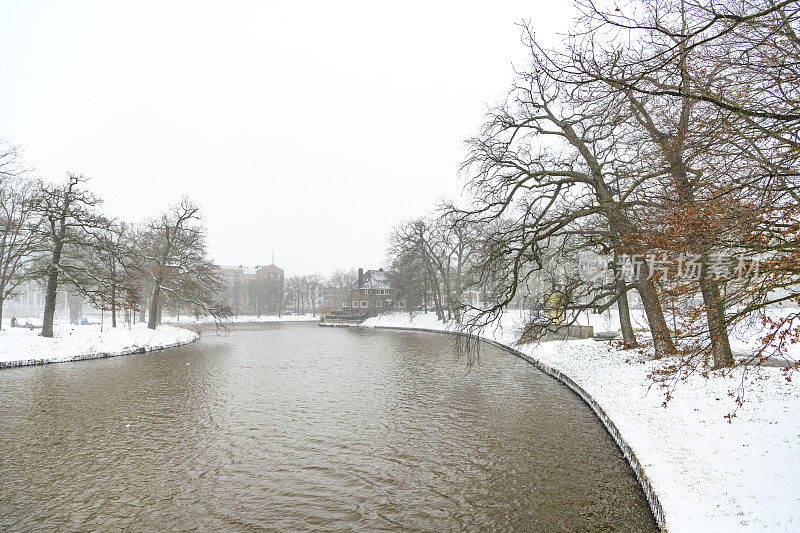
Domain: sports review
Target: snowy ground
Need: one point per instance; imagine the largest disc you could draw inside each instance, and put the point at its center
(709, 475)
(243, 319)
(744, 337)
(22, 346)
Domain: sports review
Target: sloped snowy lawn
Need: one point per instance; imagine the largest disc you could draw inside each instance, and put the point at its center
(20, 346)
(709, 475)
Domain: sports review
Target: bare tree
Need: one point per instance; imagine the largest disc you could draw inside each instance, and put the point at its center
(551, 160)
(297, 292)
(110, 278)
(338, 285)
(18, 235)
(752, 45)
(11, 162)
(712, 86)
(418, 266)
(70, 222)
(314, 283)
(434, 260)
(173, 250)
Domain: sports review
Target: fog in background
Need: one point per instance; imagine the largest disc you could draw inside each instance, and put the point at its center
(305, 128)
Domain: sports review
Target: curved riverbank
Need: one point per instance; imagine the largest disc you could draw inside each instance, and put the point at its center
(627, 451)
(296, 427)
(24, 347)
(751, 482)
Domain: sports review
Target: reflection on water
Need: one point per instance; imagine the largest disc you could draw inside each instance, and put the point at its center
(295, 427)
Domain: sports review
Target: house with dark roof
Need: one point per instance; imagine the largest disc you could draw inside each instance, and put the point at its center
(372, 293)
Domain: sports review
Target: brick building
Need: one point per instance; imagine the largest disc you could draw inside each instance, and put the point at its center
(373, 293)
(253, 290)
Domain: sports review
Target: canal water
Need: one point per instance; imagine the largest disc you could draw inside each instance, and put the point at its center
(297, 427)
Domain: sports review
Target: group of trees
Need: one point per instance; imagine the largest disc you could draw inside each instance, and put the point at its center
(55, 235)
(661, 140)
(303, 292)
(433, 263)
(316, 294)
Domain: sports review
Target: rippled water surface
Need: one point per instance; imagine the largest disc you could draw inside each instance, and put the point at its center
(296, 427)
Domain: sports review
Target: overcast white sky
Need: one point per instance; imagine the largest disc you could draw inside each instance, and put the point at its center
(307, 128)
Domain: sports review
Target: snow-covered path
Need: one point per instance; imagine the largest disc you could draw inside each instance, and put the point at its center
(21, 346)
(708, 474)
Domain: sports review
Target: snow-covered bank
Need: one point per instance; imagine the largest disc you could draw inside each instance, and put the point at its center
(708, 474)
(242, 319)
(22, 346)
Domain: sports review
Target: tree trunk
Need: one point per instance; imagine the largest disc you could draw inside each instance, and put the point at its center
(437, 301)
(1, 313)
(436, 293)
(113, 305)
(662, 342)
(424, 292)
(459, 288)
(628, 335)
(152, 320)
(717, 326)
(51, 292)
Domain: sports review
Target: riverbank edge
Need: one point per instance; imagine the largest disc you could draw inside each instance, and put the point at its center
(619, 440)
(99, 355)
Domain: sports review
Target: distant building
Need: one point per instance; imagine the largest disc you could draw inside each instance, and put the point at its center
(29, 302)
(253, 290)
(372, 292)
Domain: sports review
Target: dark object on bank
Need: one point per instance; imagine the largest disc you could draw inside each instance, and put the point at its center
(535, 332)
(606, 335)
(345, 316)
(15, 324)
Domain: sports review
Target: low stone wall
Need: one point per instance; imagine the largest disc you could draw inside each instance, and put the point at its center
(562, 333)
